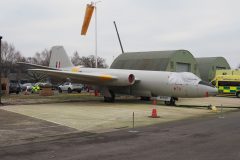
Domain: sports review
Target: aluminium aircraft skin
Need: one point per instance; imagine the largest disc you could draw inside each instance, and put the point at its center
(128, 82)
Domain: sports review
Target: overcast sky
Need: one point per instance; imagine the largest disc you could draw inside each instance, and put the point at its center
(205, 28)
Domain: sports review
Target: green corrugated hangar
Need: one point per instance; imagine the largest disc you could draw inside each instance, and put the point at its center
(208, 66)
(173, 61)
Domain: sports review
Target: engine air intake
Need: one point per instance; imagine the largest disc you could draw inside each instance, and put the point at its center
(131, 79)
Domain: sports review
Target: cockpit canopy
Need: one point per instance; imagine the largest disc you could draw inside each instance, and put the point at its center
(184, 78)
(206, 84)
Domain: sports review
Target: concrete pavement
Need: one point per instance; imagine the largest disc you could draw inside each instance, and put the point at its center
(208, 138)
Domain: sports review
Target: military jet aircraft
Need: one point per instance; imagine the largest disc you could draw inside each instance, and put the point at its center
(167, 86)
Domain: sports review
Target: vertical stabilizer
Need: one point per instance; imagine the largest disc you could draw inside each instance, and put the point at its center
(59, 58)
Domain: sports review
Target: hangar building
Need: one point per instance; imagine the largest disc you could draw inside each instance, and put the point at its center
(174, 61)
(208, 66)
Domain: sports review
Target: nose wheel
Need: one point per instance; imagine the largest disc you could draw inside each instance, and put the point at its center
(145, 98)
(172, 102)
(238, 94)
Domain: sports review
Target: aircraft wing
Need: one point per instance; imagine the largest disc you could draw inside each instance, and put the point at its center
(88, 78)
(35, 66)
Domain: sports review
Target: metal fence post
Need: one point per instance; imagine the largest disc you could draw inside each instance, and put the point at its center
(0, 70)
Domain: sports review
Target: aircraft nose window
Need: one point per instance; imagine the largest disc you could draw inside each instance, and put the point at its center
(206, 84)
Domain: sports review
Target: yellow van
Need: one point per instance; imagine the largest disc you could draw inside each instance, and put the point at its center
(227, 84)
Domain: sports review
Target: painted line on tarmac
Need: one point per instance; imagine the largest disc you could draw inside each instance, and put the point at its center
(31, 128)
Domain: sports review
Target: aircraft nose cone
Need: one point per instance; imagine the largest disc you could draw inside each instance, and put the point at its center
(213, 91)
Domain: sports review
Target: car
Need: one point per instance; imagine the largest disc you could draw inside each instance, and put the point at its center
(14, 87)
(69, 87)
(26, 86)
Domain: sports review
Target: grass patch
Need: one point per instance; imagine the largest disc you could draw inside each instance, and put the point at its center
(37, 99)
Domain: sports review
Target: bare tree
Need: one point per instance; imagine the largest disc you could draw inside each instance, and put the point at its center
(76, 59)
(10, 54)
(40, 58)
(88, 61)
(9, 58)
(36, 77)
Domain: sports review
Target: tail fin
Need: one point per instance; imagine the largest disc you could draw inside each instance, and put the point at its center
(59, 58)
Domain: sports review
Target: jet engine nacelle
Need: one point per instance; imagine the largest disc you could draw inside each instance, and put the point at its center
(123, 80)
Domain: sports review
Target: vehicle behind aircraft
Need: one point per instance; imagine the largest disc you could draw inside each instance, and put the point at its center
(70, 87)
(14, 87)
(228, 84)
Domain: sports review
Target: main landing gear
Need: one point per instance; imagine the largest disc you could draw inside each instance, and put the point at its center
(145, 98)
(172, 101)
(111, 98)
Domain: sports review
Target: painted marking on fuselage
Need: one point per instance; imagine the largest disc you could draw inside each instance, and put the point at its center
(75, 69)
(177, 88)
(105, 77)
(58, 64)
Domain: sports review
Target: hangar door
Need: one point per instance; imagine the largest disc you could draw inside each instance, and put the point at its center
(220, 68)
(182, 67)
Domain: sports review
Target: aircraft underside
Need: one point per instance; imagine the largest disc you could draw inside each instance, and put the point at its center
(110, 94)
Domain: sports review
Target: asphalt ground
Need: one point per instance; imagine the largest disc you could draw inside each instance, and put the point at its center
(74, 130)
(208, 138)
(19, 129)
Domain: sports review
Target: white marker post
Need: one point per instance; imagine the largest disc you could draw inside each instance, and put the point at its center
(133, 120)
(221, 113)
(133, 124)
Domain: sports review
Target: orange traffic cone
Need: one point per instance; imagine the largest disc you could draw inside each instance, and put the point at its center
(96, 92)
(154, 113)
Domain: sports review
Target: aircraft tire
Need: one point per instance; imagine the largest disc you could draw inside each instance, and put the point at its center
(145, 98)
(172, 102)
(167, 103)
(238, 94)
(69, 90)
(110, 99)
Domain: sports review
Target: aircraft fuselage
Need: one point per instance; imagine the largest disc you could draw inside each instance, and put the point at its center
(158, 83)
